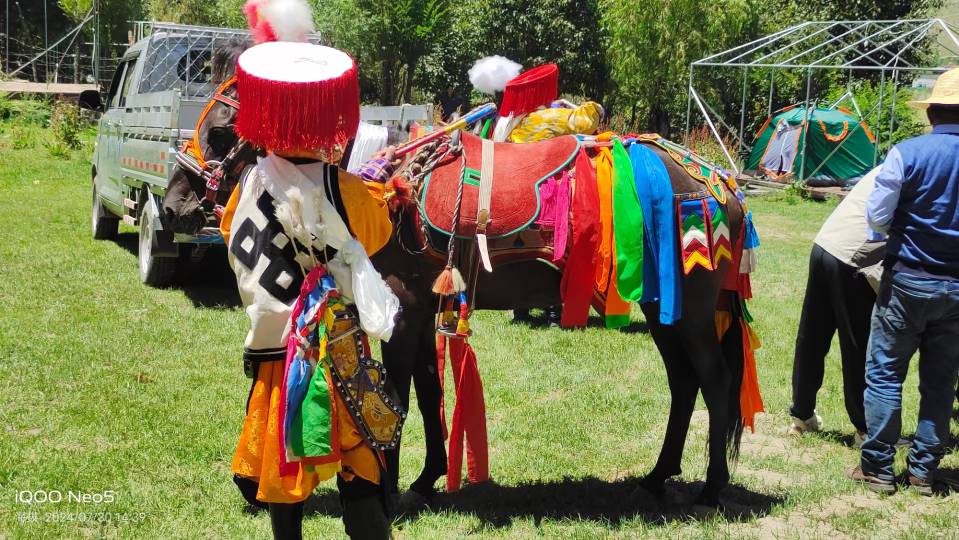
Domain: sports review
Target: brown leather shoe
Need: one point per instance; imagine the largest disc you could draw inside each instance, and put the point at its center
(873, 483)
(923, 487)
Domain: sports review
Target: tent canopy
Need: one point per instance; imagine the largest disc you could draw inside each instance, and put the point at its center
(836, 146)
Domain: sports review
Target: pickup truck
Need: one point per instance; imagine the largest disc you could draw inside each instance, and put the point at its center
(154, 102)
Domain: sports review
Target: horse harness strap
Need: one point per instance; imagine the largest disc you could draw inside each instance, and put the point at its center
(226, 100)
(483, 203)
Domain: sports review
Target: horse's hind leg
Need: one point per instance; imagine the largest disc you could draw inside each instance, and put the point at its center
(705, 353)
(683, 387)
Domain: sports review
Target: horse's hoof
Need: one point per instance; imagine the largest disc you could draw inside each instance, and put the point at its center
(703, 512)
(644, 498)
(411, 503)
(656, 488)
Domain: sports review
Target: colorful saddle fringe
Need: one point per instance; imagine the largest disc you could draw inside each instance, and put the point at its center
(576, 287)
(627, 226)
(469, 412)
(616, 309)
(660, 281)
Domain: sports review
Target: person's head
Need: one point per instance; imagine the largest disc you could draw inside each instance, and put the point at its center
(942, 106)
(449, 90)
(943, 114)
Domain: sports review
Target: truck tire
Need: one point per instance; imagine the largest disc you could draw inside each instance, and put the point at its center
(155, 271)
(104, 225)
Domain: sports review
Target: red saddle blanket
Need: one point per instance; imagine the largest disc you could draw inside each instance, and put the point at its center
(518, 170)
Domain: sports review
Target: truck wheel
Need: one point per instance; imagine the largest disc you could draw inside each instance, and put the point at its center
(103, 225)
(154, 271)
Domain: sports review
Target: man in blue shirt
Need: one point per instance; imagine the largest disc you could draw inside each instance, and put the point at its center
(916, 202)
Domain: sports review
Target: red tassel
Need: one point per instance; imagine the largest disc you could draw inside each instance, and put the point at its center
(284, 117)
(402, 194)
(444, 283)
(537, 87)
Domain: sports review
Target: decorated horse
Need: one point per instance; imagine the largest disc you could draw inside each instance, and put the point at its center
(684, 270)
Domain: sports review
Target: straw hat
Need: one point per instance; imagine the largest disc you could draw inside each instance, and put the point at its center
(945, 92)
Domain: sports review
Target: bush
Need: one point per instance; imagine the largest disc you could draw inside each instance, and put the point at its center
(66, 125)
(24, 136)
(27, 111)
(702, 142)
(58, 149)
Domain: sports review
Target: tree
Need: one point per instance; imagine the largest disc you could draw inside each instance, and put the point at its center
(531, 32)
(650, 50)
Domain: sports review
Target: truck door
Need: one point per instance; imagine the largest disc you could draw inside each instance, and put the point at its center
(109, 167)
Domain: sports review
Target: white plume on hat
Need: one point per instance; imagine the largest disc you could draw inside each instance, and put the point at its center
(490, 74)
(287, 20)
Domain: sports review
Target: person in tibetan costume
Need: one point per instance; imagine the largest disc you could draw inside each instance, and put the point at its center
(299, 232)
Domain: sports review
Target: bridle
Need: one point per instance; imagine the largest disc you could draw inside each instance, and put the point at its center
(212, 172)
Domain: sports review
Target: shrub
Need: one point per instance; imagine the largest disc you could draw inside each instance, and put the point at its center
(57, 149)
(24, 136)
(702, 142)
(27, 111)
(66, 125)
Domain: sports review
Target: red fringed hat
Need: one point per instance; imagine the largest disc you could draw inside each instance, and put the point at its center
(537, 87)
(297, 97)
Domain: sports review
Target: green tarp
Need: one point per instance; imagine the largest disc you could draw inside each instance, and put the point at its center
(835, 146)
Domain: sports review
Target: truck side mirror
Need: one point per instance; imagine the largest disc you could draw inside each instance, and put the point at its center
(90, 99)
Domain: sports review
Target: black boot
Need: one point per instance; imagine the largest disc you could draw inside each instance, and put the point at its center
(365, 514)
(287, 521)
(365, 519)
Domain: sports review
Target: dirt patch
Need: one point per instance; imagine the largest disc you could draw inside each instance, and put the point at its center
(769, 478)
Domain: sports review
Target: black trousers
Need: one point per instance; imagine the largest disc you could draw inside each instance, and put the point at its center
(838, 299)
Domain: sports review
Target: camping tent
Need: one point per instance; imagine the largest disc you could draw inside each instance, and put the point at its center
(836, 145)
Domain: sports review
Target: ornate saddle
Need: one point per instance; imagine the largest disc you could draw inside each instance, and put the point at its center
(514, 197)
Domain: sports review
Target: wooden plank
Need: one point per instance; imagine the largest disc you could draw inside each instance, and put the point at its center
(765, 183)
(823, 193)
(24, 87)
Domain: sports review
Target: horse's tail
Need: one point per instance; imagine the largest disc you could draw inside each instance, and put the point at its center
(735, 355)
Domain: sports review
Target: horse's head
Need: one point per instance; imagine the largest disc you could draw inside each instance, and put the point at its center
(215, 132)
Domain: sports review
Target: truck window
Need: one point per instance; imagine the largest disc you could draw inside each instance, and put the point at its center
(178, 62)
(127, 83)
(113, 100)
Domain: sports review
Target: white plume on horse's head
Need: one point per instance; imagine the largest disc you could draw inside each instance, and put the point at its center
(490, 75)
(279, 20)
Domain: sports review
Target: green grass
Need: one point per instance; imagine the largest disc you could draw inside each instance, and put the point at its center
(109, 385)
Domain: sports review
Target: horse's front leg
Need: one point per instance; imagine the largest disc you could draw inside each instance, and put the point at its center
(429, 399)
(399, 360)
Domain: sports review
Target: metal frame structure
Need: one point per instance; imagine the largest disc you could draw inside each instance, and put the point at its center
(847, 46)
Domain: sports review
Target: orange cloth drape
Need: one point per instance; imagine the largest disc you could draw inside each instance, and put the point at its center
(750, 399)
